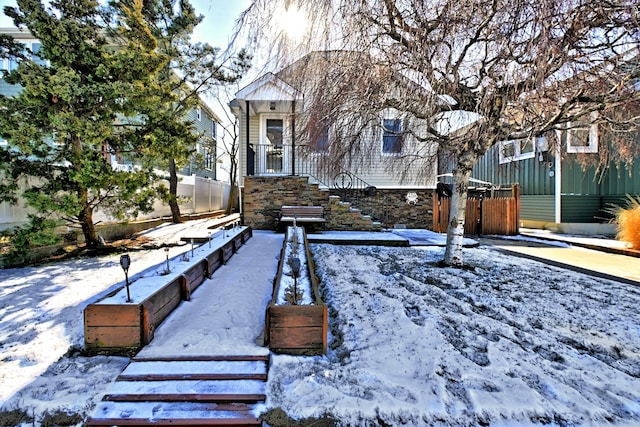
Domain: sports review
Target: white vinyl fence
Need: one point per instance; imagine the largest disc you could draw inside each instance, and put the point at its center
(196, 195)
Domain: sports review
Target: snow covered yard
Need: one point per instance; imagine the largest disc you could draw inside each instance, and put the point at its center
(508, 342)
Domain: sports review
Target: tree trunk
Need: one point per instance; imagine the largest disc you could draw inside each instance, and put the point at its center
(86, 221)
(232, 199)
(173, 192)
(457, 213)
(233, 193)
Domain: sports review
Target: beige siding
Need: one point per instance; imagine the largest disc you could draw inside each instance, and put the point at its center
(254, 138)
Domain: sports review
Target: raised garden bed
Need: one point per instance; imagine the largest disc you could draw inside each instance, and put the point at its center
(115, 326)
(296, 318)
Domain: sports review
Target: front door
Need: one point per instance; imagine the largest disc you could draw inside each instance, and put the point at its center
(274, 139)
(272, 155)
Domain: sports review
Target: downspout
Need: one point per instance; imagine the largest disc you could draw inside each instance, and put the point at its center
(248, 149)
(558, 179)
(293, 137)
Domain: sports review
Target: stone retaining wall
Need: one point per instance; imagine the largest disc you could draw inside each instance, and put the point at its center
(264, 196)
(390, 207)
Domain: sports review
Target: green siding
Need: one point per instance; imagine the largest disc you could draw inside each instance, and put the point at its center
(537, 208)
(532, 174)
(580, 208)
(576, 180)
(622, 180)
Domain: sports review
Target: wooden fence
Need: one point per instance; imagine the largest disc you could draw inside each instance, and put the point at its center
(485, 213)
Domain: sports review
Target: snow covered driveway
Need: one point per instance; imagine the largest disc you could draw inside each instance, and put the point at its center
(509, 342)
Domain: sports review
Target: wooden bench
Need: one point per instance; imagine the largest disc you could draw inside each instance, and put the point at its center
(302, 214)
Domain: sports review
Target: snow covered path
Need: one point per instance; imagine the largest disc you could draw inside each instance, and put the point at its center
(226, 314)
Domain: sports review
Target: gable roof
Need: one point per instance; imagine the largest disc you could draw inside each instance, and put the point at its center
(269, 87)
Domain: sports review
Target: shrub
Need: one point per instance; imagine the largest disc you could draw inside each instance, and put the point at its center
(60, 418)
(19, 243)
(627, 219)
(14, 417)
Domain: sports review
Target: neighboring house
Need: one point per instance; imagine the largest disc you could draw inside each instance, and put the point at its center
(555, 190)
(202, 165)
(281, 136)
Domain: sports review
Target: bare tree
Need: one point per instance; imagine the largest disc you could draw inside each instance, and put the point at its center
(477, 72)
(230, 144)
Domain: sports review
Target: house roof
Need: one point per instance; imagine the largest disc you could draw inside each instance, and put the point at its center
(455, 122)
(269, 87)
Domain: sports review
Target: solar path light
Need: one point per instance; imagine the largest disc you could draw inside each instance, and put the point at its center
(125, 262)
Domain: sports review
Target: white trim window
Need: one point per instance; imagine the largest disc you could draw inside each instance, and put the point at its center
(582, 138)
(513, 150)
(199, 114)
(11, 63)
(391, 136)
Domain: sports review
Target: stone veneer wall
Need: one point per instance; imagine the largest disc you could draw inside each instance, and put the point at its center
(264, 196)
(390, 207)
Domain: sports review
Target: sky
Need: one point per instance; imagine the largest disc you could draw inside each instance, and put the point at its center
(216, 29)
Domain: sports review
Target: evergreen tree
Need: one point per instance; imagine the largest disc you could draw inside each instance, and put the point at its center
(73, 111)
(195, 69)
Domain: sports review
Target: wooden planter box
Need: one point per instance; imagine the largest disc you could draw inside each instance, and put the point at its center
(297, 329)
(125, 328)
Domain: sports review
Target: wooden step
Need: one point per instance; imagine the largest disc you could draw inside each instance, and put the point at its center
(140, 414)
(185, 391)
(161, 370)
(200, 377)
(189, 387)
(173, 414)
(203, 358)
(186, 397)
(186, 422)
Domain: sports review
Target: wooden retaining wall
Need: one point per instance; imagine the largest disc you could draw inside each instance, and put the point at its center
(297, 329)
(126, 328)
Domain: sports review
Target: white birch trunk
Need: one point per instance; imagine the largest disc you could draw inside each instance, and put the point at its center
(455, 228)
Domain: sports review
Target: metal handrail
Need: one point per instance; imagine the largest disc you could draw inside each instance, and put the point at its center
(278, 160)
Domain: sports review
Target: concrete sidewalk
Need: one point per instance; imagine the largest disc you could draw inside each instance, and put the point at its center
(599, 262)
(604, 244)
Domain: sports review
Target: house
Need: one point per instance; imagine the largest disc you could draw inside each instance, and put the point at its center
(290, 153)
(198, 182)
(556, 191)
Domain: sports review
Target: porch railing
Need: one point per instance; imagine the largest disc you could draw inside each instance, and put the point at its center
(320, 168)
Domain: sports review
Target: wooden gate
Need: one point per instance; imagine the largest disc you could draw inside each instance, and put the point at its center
(488, 212)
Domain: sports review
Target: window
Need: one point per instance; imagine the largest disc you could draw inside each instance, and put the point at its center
(319, 138)
(582, 138)
(11, 63)
(209, 160)
(35, 48)
(519, 149)
(391, 136)
(199, 114)
(275, 130)
(214, 130)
